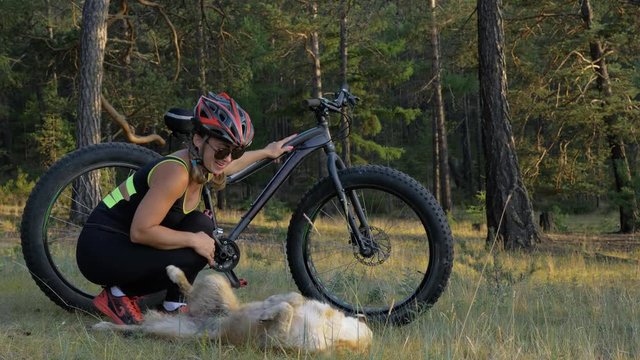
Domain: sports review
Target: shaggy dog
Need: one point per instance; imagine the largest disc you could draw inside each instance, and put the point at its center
(286, 321)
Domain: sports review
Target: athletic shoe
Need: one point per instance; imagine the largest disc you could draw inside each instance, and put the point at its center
(121, 309)
(182, 309)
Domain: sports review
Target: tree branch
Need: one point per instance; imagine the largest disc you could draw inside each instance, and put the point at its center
(129, 131)
(173, 31)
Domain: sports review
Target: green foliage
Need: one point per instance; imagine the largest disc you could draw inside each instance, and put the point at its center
(276, 210)
(16, 191)
(53, 139)
(259, 53)
(476, 210)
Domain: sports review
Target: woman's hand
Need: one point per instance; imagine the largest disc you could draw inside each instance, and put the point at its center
(277, 148)
(204, 245)
(272, 151)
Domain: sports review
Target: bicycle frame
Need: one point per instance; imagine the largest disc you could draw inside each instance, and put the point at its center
(304, 144)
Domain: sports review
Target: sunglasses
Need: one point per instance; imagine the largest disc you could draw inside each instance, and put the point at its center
(222, 153)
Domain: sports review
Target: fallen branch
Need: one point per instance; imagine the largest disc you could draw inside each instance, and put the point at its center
(129, 131)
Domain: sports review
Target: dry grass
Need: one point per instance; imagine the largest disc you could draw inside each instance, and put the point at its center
(561, 301)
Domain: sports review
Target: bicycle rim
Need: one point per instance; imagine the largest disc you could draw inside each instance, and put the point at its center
(67, 214)
(374, 283)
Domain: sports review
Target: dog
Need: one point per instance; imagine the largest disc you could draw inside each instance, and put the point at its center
(283, 321)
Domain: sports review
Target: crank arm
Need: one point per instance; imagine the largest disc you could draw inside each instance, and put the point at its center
(234, 281)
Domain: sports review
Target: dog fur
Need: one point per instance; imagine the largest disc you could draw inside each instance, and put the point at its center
(285, 321)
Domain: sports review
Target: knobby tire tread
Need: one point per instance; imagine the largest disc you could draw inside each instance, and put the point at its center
(421, 198)
(39, 201)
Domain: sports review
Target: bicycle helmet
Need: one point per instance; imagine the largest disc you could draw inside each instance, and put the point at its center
(221, 117)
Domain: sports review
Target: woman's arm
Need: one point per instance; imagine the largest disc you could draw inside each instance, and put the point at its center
(272, 150)
(167, 184)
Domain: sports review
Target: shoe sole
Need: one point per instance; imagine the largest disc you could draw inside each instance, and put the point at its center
(104, 308)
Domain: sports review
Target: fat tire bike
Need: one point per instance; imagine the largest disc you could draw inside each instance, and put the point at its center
(369, 240)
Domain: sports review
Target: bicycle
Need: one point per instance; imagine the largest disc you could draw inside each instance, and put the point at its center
(368, 240)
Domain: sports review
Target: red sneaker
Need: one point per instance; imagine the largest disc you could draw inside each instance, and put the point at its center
(121, 309)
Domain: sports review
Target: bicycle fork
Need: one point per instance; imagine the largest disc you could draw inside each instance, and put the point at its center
(361, 235)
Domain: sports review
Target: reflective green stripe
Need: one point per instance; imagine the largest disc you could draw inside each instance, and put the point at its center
(108, 200)
(131, 189)
(117, 195)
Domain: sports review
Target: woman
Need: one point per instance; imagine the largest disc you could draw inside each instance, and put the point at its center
(150, 221)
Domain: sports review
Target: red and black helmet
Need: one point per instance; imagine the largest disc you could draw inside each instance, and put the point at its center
(221, 117)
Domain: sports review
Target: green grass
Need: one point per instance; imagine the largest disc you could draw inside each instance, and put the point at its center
(546, 305)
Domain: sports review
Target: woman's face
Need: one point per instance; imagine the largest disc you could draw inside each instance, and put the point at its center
(211, 147)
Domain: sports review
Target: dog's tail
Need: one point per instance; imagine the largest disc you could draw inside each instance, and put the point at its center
(177, 276)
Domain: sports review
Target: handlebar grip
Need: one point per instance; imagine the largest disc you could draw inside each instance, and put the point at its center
(311, 103)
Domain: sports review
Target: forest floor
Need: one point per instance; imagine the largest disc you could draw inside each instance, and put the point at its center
(561, 242)
(574, 297)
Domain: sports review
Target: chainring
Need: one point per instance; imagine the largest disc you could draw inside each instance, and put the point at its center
(226, 256)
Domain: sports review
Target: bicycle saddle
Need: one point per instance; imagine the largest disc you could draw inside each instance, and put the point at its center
(179, 120)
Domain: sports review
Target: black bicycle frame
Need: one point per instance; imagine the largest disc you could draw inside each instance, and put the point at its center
(304, 144)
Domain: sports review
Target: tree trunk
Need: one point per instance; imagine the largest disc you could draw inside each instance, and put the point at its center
(316, 90)
(346, 146)
(441, 130)
(479, 146)
(92, 46)
(509, 212)
(467, 162)
(202, 66)
(93, 42)
(621, 172)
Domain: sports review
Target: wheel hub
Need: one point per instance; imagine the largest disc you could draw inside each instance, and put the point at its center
(376, 249)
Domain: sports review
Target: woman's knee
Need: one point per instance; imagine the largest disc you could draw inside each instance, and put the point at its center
(196, 221)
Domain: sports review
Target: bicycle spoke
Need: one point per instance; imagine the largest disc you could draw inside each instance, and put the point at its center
(336, 267)
(78, 203)
(66, 222)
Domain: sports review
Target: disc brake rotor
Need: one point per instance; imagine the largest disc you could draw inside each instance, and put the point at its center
(381, 243)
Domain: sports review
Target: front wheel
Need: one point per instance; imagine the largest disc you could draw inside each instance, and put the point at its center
(413, 247)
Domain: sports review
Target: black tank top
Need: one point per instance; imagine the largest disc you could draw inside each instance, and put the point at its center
(116, 210)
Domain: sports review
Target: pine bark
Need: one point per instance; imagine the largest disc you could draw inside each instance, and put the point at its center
(202, 44)
(316, 81)
(467, 162)
(438, 115)
(92, 47)
(346, 146)
(619, 162)
(509, 212)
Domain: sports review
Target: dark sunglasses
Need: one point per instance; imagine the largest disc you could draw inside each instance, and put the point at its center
(222, 153)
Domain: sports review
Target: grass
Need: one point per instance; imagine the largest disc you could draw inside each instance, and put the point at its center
(549, 304)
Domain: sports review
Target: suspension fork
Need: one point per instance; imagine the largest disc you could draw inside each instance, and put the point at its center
(365, 243)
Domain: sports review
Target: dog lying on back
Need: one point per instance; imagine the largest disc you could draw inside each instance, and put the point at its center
(284, 321)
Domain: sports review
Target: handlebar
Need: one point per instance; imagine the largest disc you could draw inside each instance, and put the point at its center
(343, 97)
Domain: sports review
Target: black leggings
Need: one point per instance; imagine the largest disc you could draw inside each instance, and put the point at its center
(109, 258)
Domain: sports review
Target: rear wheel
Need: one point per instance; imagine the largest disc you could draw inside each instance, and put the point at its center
(404, 271)
(57, 209)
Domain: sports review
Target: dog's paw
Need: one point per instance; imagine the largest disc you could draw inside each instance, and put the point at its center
(281, 312)
(174, 273)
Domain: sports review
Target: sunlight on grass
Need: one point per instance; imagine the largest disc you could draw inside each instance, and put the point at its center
(580, 303)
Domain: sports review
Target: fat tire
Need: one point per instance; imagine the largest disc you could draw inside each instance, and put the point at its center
(44, 194)
(412, 193)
